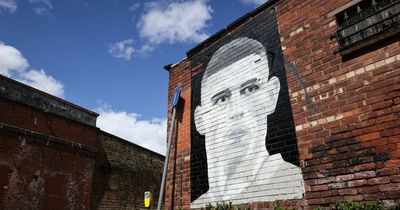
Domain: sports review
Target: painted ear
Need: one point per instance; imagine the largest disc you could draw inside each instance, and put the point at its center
(273, 94)
(198, 120)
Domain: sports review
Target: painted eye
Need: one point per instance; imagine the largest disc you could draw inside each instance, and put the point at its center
(249, 89)
(221, 97)
(221, 100)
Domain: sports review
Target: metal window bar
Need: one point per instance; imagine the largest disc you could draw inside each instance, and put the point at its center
(377, 29)
(367, 12)
(383, 19)
(369, 26)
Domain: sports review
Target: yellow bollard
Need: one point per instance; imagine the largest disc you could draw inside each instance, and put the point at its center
(147, 199)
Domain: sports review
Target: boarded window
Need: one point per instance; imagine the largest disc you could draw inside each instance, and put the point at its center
(367, 23)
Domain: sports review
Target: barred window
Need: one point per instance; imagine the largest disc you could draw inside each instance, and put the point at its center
(366, 23)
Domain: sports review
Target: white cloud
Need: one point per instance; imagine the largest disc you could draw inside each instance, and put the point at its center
(122, 49)
(146, 49)
(134, 7)
(46, 3)
(10, 5)
(14, 65)
(148, 134)
(40, 80)
(254, 2)
(42, 7)
(11, 60)
(175, 22)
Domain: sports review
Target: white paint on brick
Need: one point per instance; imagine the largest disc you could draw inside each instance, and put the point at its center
(332, 23)
(299, 127)
(338, 91)
(341, 77)
(379, 63)
(235, 103)
(299, 30)
(314, 123)
(350, 74)
(360, 70)
(332, 80)
(370, 67)
(390, 60)
(323, 96)
(330, 119)
(320, 121)
(339, 116)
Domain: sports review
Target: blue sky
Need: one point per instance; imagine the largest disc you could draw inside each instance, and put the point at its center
(108, 55)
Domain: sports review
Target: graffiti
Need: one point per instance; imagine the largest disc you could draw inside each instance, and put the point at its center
(293, 69)
(237, 96)
(243, 138)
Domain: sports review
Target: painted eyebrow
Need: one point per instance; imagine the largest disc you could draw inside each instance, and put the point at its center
(250, 81)
(225, 92)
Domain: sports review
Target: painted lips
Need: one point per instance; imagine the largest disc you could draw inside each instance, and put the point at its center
(237, 133)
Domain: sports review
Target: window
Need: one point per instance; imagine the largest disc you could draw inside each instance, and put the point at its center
(365, 23)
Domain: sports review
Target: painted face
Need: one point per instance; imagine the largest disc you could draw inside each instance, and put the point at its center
(235, 103)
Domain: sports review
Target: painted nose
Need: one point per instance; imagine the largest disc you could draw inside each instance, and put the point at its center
(235, 110)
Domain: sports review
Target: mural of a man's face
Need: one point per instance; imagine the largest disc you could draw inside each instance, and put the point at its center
(235, 102)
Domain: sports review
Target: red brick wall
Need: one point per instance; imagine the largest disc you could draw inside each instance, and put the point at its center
(177, 191)
(34, 176)
(348, 129)
(53, 157)
(14, 113)
(46, 161)
(346, 113)
(122, 173)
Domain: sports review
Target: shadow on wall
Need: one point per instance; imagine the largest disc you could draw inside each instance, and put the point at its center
(123, 172)
(350, 169)
(176, 182)
(101, 177)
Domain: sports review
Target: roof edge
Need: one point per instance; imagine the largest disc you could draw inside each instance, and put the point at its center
(227, 28)
(170, 66)
(122, 140)
(16, 91)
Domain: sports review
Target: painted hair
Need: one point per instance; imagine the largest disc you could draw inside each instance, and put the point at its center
(233, 51)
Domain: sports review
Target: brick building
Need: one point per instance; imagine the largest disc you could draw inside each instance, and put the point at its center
(123, 172)
(297, 101)
(48, 149)
(52, 156)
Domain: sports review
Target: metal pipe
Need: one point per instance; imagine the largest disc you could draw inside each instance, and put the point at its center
(160, 198)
